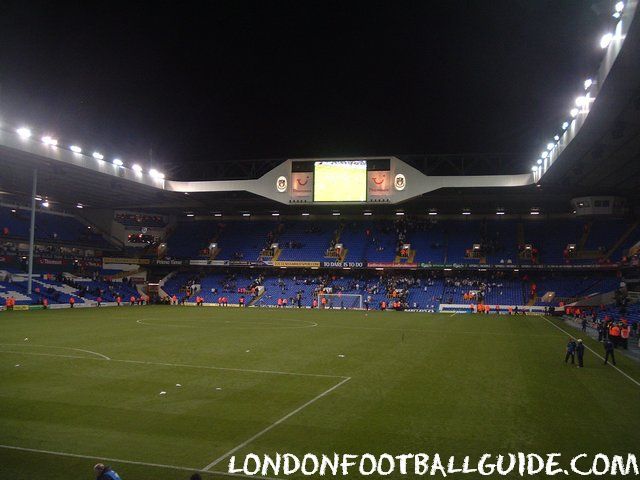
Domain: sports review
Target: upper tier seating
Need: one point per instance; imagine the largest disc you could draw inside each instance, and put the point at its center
(436, 241)
(50, 228)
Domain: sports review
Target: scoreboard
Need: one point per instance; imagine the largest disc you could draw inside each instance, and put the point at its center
(338, 181)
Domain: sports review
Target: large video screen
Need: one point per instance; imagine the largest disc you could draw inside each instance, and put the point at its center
(340, 181)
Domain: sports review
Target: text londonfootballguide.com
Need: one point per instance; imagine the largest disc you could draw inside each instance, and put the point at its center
(422, 464)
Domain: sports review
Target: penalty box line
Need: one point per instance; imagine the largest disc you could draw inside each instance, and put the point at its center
(129, 462)
(591, 350)
(208, 467)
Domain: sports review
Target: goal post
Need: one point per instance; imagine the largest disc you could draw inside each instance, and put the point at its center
(340, 300)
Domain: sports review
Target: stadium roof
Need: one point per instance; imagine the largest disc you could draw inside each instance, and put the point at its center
(602, 158)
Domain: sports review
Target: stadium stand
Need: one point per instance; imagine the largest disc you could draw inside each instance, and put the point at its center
(50, 228)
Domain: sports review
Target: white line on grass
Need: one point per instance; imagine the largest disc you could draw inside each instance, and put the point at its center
(274, 424)
(590, 349)
(181, 365)
(130, 462)
(233, 324)
(60, 348)
(424, 330)
(248, 370)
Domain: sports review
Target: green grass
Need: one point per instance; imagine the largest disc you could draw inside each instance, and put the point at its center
(457, 385)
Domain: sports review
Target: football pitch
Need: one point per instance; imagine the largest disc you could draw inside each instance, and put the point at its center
(85, 385)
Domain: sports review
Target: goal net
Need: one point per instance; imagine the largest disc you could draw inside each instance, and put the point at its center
(340, 300)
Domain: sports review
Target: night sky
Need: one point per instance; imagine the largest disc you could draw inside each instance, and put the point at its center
(196, 83)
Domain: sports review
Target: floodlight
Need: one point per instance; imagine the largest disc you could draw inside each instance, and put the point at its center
(75, 149)
(137, 168)
(544, 154)
(619, 7)
(275, 214)
(581, 101)
(534, 168)
(98, 156)
(574, 112)
(433, 213)
(305, 214)
(367, 214)
(500, 212)
(587, 83)
(190, 214)
(556, 137)
(335, 214)
(539, 161)
(79, 205)
(117, 162)
(466, 212)
(246, 214)
(156, 174)
(606, 40)
(565, 125)
(549, 146)
(45, 204)
(400, 214)
(48, 140)
(24, 132)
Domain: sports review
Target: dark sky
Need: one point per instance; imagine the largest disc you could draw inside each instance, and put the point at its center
(201, 82)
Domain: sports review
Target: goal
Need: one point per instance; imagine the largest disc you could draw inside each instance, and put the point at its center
(340, 300)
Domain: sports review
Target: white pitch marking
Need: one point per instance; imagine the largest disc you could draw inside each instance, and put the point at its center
(129, 462)
(182, 365)
(422, 330)
(60, 348)
(240, 324)
(590, 349)
(275, 424)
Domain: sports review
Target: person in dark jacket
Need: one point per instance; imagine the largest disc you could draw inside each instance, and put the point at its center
(609, 352)
(105, 472)
(580, 353)
(584, 324)
(571, 351)
(600, 331)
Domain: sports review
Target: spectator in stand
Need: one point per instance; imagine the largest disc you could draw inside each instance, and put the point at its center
(132, 300)
(72, 302)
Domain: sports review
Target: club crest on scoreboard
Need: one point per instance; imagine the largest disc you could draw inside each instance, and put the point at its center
(400, 182)
(281, 184)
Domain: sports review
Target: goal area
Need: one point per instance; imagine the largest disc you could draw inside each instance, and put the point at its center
(340, 300)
